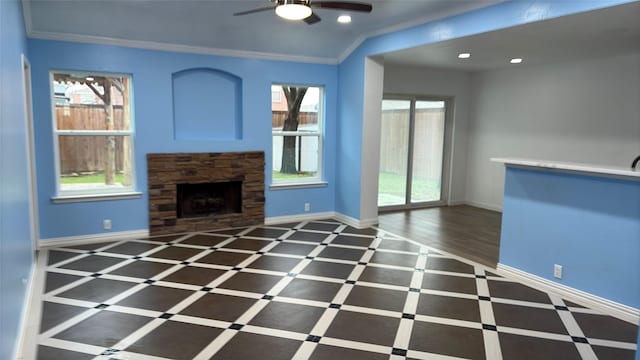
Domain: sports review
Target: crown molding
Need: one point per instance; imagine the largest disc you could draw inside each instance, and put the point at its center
(151, 45)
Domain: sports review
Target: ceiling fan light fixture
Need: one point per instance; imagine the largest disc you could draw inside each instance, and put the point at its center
(293, 10)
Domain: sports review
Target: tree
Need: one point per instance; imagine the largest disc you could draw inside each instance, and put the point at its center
(294, 96)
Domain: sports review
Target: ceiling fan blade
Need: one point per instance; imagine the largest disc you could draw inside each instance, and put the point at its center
(339, 5)
(312, 19)
(253, 11)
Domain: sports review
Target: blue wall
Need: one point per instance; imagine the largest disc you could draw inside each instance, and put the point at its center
(153, 117)
(589, 225)
(351, 74)
(15, 240)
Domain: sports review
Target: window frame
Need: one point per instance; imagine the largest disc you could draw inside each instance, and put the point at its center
(318, 179)
(98, 193)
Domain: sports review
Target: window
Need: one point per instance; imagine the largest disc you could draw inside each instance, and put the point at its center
(93, 132)
(297, 135)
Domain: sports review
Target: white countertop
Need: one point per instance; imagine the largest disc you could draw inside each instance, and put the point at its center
(604, 170)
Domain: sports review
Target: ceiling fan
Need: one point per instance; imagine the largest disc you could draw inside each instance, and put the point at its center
(301, 9)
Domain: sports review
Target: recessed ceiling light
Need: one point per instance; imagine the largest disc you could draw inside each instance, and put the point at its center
(464, 55)
(344, 19)
(89, 78)
(515, 61)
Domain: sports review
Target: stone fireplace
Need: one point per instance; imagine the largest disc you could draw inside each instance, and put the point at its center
(205, 191)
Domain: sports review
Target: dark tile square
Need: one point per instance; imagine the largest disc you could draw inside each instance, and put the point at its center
(54, 314)
(105, 328)
(445, 264)
(400, 245)
(606, 327)
(156, 298)
(256, 283)
(166, 316)
(380, 330)
(142, 269)
(364, 231)
(449, 307)
(226, 258)
(92, 263)
(131, 248)
(326, 352)
(175, 253)
(97, 290)
(313, 338)
(247, 244)
(330, 227)
(51, 353)
(204, 240)
(293, 249)
(165, 238)
(607, 353)
(572, 304)
(308, 236)
(219, 307)
(386, 276)
(531, 348)
(175, 340)
(529, 318)
(274, 263)
(328, 269)
(229, 232)
(290, 317)
(399, 352)
(516, 291)
(247, 346)
(56, 280)
(311, 290)
(194, 275)
(55, 257)
(333, 252)
(448, 340)
(449, 283)
(376, 298)
(266, 233)
(352, 240)
(394, 259)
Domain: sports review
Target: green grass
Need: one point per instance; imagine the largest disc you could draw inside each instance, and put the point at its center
(89, 179)
(391, 189)
(277, 175)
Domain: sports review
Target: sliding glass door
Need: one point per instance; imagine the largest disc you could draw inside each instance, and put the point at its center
(412, 152)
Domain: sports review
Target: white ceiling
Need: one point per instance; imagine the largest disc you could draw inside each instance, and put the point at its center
(601, 33)
(210, 24)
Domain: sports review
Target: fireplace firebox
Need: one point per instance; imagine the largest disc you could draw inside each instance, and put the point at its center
(209, 199)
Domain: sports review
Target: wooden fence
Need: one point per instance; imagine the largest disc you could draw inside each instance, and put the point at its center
(84, 154)
(428, 143)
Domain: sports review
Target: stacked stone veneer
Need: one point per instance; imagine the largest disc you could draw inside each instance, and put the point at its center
(165, 171)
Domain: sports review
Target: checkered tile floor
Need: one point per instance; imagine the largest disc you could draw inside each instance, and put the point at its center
(311, 290)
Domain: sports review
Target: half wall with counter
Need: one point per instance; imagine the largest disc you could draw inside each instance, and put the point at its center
(585, 218)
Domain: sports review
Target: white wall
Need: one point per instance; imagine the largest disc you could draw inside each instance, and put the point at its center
(587, 111)
(428, 81)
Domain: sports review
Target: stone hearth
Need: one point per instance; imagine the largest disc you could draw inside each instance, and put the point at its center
(166, 171)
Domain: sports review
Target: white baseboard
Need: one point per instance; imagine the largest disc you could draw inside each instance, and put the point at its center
(274, 220)
(31, 297)
(93, 238)
(358, 224)
(620, 311)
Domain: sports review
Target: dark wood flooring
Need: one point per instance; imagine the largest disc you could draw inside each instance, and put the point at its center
(462, 230)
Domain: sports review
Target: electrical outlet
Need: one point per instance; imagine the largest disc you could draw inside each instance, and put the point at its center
(106, 224)
(557, 271)
(307, 206)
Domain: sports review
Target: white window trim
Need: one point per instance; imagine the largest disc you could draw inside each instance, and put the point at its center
(98, 193)
(318, 180)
